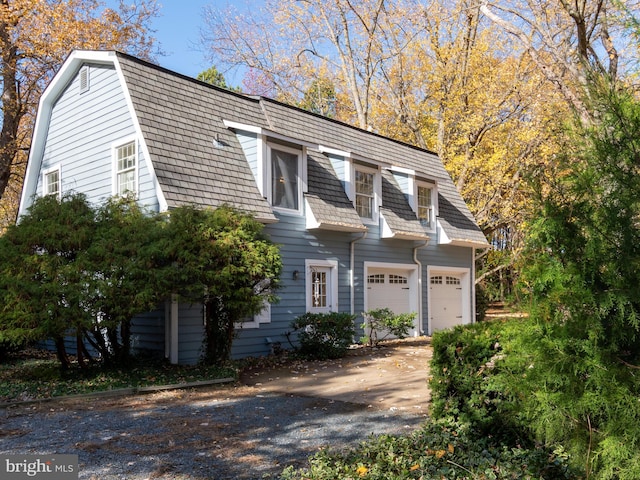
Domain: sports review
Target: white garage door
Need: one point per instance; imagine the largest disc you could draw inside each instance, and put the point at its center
(446, 300)
(389, 288)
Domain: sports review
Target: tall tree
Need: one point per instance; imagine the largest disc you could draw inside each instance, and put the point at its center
(213, 77)
(35, 38)
(224, 257)
(569, 39)
(341, 36)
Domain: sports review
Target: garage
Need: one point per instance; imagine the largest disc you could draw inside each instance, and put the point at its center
(392, 288)
(448, 299)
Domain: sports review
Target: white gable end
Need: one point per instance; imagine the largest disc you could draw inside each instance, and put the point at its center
(83, 113)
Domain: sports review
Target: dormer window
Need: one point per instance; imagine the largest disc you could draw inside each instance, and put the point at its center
(425, 204)
(286, 185)
(366, 192)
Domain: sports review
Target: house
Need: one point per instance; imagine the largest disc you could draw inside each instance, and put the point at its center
(363, 221)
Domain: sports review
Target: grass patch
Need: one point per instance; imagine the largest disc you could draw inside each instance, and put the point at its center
(36, 375)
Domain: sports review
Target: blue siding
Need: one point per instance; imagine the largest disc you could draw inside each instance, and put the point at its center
(403, 182)
(339, 164)
(298, 245)
(249, 143)
(147, 333)
(191, 333)
(82, 131)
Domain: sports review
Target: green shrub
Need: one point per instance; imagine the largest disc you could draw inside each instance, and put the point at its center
(574, 393)
(436, 450)
(324, 335)
(381, 323)
(466, 361)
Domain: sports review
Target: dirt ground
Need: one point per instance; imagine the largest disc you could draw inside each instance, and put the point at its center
(392, 376)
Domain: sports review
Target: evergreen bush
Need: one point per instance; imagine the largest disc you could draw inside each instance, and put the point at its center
(466, 360)
(324, 335)
(437, 450)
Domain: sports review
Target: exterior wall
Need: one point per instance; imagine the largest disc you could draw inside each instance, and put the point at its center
(249, 143)
(82, 131)
(298, 245)
(340, 165)
(191, 333)
(147, 333)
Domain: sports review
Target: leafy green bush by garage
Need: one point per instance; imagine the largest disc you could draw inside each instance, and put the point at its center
(437, 450)
(324, 335)
(382, 323)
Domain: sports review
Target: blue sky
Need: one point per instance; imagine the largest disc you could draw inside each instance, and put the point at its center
(178, 31)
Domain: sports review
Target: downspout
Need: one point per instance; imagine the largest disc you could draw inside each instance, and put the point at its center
(352, 266)
(473, 285)
(417, 262)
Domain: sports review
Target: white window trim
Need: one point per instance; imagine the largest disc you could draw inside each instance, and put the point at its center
(309, 264)
(377, 191)
(114, 164)
(268, 176)
(413, 201)
(263, 317)
(48, 171)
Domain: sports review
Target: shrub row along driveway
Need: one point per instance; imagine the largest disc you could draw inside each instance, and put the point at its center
(232, 432)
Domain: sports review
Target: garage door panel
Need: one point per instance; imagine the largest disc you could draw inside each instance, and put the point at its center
(446, 301)
(390, 289)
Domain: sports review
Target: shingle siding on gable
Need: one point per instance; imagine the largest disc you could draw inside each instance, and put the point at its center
(82, 130)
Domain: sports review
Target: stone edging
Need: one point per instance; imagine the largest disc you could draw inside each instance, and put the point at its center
(122, 392)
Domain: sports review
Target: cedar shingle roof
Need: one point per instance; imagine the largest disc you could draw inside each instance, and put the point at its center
(180, 117)
(326, 196)
(401, 219)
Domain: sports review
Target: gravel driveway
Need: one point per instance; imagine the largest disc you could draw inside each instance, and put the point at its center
(227, 432)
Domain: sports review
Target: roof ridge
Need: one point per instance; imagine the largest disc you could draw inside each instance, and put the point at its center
(168, 71)
(345, 124)
(260, 99)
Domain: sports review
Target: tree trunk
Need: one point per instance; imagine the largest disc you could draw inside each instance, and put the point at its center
(61, 353)
(11, 108)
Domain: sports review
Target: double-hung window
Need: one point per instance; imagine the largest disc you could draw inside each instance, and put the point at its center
(365, 193)
(425, 204)
(126, 164)
(51, 182)
(286, 164)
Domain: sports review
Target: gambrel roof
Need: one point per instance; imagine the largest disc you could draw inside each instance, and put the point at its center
(198, 159)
